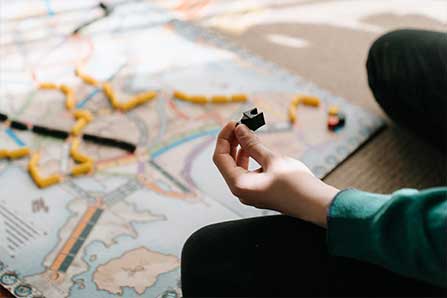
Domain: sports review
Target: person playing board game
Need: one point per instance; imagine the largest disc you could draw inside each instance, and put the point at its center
(332, 242)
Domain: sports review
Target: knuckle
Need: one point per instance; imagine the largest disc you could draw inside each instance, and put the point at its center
(237, 188)
(249, 141)
(251, 144)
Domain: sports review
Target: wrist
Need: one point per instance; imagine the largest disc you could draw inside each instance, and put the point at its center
(313, 204)
(327, 196)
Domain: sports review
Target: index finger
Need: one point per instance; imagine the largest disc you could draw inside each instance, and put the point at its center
(222, 154)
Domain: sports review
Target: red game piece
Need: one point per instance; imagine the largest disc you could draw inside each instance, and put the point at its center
(332, 123)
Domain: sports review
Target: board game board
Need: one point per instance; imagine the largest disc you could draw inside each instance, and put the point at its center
(120, 231)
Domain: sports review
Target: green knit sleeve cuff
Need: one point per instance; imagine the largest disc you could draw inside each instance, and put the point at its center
(349, 218)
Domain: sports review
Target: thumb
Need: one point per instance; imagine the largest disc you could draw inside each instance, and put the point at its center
(252, 145)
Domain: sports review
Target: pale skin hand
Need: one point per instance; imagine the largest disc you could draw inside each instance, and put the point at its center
(281, 183)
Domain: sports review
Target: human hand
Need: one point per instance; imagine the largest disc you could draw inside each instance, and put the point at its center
(281, 183)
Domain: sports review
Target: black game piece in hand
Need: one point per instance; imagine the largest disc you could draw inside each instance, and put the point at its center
(253, 119)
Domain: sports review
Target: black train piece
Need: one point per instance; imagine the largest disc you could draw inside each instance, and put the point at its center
(253, 119)
(18, 125)
(51, 132)
(3, 117)
(109, 142)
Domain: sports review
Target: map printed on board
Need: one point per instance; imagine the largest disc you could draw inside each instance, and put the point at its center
(120, 231)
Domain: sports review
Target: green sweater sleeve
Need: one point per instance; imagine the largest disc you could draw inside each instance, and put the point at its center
(405, 232)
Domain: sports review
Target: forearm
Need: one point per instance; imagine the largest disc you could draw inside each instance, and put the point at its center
(404, 232)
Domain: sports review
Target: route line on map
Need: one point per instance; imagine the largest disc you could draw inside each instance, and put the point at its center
(115, 161)
(178, 112)
(80, 191)
(121, 192)
(70, 249)
(170, 177)
(89, 96)
(85, 225)
(187, 169)
(171, 194)
(14, 137)
(156, 153)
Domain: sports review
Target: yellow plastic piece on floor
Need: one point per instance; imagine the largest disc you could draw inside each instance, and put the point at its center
(48, 86)
(310, 100)
(82, 169)
(181, 95)
(145, 97)
(69, 96)
(296, 101)
(79, 126)
(89, 80)
(333, 111)
(110, 94)
(292, 113)
(3, 153)
(135, 101)
(220, 99)
(48, 181)
(76, 155)
(74, 146)
(18, 153)
(200, 99)
(301, 99)
(292, 109)
(81, 158)
(34, 160)
(78, 71)
(70, 101)
(65, 89)
(34, 173)
(127, 106)
(83, 114)
(108, 91)
(239, 98)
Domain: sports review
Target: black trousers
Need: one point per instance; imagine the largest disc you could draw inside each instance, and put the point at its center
(283, 256)
(407, 73)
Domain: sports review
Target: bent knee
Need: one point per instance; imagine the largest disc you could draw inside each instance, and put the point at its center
(376, 55)
(390, 46)
(197, 260)
(401, 38)
(198, 244)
